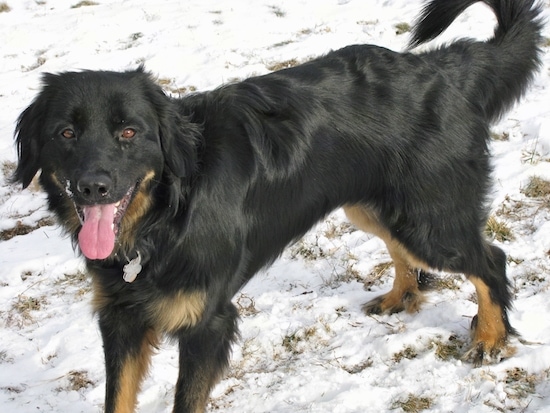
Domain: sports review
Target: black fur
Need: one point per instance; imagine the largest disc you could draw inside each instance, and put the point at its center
(242, 171)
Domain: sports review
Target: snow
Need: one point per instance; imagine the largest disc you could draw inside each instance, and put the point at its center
(306, 345)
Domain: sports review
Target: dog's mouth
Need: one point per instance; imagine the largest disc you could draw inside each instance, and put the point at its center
(101, 226)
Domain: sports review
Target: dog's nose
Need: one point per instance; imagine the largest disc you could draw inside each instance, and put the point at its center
(94, 187)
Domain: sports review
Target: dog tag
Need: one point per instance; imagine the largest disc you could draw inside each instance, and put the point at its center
(132, 269)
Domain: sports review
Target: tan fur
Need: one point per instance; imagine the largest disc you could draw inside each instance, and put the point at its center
(141, 203)
(490, 329)
(167, 314)
(180, 310)
(133, 372)
(404, 294)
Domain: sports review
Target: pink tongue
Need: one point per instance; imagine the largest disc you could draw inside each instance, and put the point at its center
(97, 237)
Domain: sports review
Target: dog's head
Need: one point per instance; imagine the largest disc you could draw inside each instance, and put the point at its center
(103, 141)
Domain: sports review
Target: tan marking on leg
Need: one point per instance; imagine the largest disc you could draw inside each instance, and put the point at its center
(490, 330)
(404, 294)
(180, 310)
(133, 371)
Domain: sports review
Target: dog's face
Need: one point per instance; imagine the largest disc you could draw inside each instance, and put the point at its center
(98, 139)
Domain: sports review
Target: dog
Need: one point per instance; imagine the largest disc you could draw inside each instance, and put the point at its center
(176, 203)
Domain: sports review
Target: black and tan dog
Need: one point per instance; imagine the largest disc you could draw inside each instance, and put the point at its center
(176, 203)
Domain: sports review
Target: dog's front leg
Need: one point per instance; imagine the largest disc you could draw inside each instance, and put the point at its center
(128, 346)
(204, 355)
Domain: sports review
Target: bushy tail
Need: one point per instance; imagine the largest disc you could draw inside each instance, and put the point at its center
(507, 63)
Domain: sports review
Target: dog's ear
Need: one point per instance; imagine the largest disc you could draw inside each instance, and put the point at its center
(180, 141)
(29, 139)
(180, 138)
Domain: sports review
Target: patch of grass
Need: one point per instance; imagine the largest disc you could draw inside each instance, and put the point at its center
(291, 342)
(13, 389)
(498, 230)
(512, 209)
(78, 380)
(23, 229)
(402, 28)
(281, 44)
(337, 230)
(358, 368)
(531, 277)
(446, 282)
(182, 90)
(519, 383)
(25, 304)
(515, 260)
(413, 403)
(136, 36)
(8, 168)
(78, 280)
(168, 84)
(277, 11)
(84, 3)
(5, 358)
(366, 22)
(308, 251)
(246, 305)
(350, 274)
(26, 275)
(22, 309)
(4, 8)
(500, 137)
(408, 352)
(40, 60)
(378, 272)
(537, 188)
(285, 64)
(450, 349)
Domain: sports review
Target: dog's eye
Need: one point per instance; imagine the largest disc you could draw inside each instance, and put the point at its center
(128, 133)
(68, 134)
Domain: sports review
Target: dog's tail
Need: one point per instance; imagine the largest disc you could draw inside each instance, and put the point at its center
(496, 73)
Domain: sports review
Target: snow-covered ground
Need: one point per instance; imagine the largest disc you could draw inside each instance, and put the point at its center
(305, 344)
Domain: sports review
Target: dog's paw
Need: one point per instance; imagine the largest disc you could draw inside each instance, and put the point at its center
(395, 302)
(488, 348)
(374, 306)
(481, 353)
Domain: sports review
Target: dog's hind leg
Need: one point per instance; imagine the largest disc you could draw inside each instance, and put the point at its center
(482, 263)
(406, 293)
(490, 327)
(204, 355)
